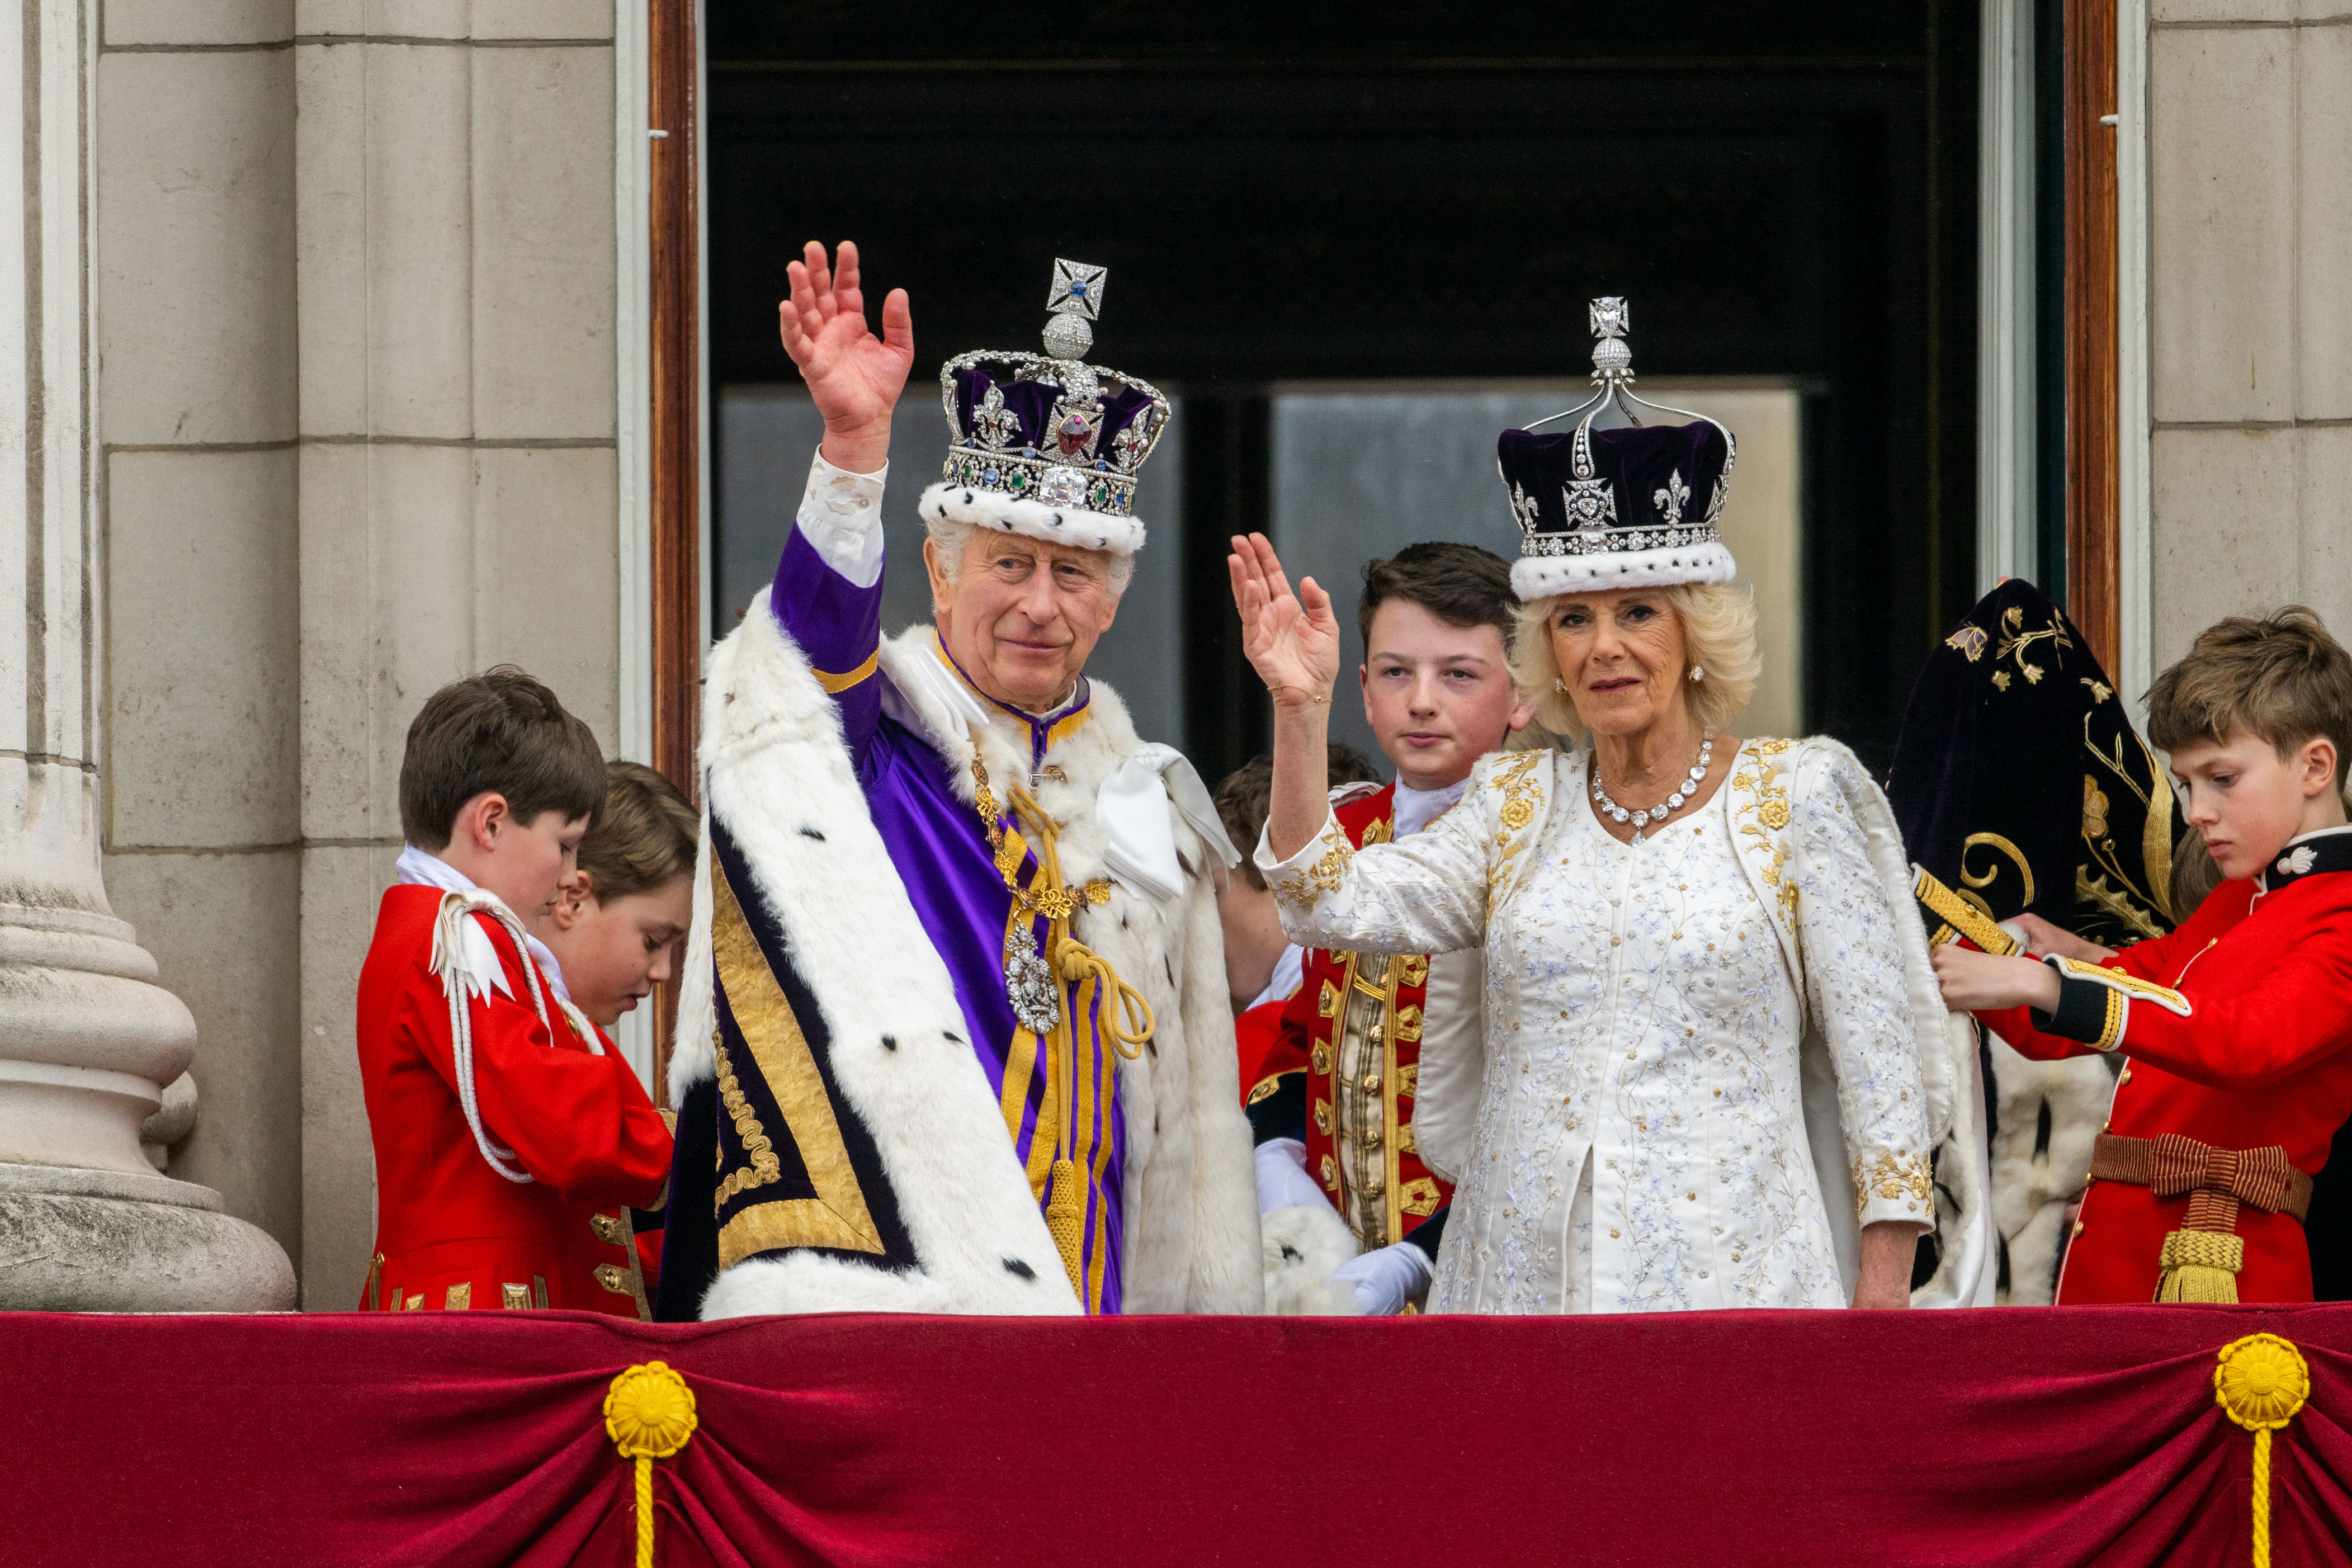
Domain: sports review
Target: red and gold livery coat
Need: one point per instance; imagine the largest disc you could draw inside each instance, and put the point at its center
(2236, 1032)
(1353, 1033)
(453, 1234)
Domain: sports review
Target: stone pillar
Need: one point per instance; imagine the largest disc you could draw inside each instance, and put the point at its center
(88, 1038)
(2250, 114)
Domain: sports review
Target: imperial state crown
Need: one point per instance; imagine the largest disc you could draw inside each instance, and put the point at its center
(1047, 445)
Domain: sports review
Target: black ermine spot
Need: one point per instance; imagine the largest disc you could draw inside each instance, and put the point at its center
(1292, 1254)
(812, 833)
(952, 1035)
(1015, 1267)
(889, 1042)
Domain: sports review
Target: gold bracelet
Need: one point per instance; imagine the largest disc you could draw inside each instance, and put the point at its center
(1311, 697)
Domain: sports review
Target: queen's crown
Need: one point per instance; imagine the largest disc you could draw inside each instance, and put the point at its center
(1051, 428)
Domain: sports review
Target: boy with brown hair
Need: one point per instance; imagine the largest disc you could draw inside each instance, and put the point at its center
(508, 1141)
(1346, 1125)
(2238, 1023)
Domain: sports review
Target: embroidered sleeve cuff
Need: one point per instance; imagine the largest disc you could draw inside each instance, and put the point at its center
(1894, 1184)
(2095, 1003)
(1315, 870)
(841, 516)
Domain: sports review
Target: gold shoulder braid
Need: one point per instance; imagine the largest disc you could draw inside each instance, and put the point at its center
(1034, 979)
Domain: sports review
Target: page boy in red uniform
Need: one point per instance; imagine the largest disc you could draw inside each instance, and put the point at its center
(509, 1142)
(2239, 1025)
(1362, 1106)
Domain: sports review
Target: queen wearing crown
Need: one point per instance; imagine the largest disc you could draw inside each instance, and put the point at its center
(1714, 1063)
(952, 1028)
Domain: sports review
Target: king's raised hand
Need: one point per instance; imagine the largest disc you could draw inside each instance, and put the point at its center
(1292, 639)
(854, 377)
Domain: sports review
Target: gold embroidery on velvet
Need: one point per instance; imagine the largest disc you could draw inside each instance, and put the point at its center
(1323, 1117)
(1327, 1002)
(1409, 1079)
(1420, 1196)
(539, 1291)
(764, 1167)
(614, 1278)
(514, 1298)
(458, 1297)
(609, 1230)
(1322, 1059)
(1518, 810)
(1408, 1023)
(837, 1215)
(1416, 969)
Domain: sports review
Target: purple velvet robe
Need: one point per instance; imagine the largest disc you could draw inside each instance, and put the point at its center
(938, 843)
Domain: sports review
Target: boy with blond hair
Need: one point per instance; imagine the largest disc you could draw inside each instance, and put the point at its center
(2239, 1025)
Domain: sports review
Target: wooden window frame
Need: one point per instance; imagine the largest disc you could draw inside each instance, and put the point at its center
(676, 580)
(2093, 431)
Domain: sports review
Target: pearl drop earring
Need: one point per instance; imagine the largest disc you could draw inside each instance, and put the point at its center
(1697, 674)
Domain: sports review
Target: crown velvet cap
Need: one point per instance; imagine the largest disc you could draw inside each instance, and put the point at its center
(1047, 445)
(1629, 508)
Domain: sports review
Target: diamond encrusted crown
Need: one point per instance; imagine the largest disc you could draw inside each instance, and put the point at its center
(1051, 428)
(1618, 508)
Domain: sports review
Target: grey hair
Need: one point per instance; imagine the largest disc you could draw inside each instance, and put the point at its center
(950, 537)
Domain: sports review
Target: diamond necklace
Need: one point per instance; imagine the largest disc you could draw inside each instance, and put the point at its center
(1672, 803)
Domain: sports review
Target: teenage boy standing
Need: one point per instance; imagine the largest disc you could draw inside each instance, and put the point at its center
(1353, 1186)
(2239, 1025)
(509, 1142)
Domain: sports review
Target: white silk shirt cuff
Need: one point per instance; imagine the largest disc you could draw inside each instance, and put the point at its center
(840, 517)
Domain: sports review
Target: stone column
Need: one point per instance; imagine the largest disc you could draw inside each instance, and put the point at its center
(2250, 114)
(88, 1039)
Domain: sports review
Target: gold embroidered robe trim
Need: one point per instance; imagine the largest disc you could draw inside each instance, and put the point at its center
(837, 1215)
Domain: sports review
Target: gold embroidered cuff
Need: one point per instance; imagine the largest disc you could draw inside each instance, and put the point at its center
(1895, 1176)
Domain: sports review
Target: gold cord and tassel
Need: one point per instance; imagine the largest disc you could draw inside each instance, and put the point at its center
(2200, 1266)
(2260, 1384)
(1127, 1022)
(649, 1415)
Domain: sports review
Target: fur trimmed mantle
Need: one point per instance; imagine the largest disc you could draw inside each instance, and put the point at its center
(773, 766)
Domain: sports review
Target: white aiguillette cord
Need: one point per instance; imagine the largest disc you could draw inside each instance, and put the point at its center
(470, 967)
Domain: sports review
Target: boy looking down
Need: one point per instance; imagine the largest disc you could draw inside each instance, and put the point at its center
(1362, 1107)
(2237, 1025)
(508, 1141)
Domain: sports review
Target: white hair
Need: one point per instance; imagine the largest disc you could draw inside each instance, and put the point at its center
(950, 537)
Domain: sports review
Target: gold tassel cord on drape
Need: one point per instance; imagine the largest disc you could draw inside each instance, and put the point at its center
(2200, 1266)
(649, 1415)
(2261, 1383)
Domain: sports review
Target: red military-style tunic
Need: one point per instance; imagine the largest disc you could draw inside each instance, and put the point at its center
(451, 1232)
(1352, 1033)
(2237, 1030)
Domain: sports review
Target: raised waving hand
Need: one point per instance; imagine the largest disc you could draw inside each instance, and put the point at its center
(854, 376)
(1292, 639)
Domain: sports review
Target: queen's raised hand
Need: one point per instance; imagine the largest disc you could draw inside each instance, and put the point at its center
(854, 377)
(1292, 639)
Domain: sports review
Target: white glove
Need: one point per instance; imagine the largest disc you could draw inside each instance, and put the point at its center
(1282, 1179)
(1386, 1281)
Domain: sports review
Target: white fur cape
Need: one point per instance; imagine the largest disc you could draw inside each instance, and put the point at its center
(772, 762)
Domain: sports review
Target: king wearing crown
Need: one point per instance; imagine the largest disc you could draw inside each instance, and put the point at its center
(953, 1031)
